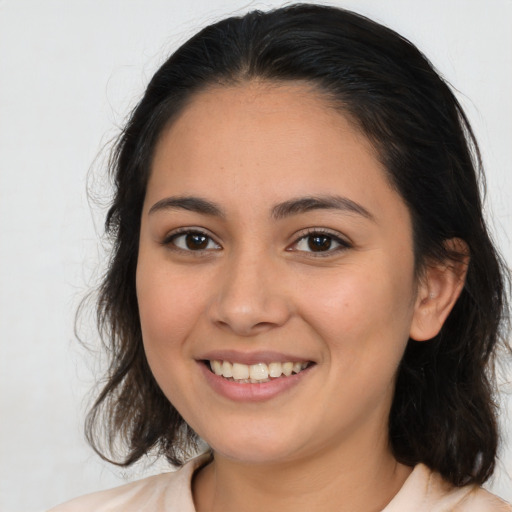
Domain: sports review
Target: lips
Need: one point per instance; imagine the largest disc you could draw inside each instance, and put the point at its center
(254, 376)
(260, 372)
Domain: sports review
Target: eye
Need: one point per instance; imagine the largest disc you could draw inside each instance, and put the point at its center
(192, 240)
(320, 242)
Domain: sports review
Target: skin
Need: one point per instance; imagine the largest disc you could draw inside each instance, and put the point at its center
(257, 286)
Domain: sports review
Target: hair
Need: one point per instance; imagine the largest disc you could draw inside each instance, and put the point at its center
(443, 412)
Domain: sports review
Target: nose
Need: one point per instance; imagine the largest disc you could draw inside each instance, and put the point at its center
(251, 297)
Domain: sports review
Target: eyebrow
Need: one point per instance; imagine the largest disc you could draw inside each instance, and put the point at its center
(279, 211)
(190, 203)
(329, 202)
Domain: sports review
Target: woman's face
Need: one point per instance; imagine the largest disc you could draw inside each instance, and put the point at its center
(270, 236)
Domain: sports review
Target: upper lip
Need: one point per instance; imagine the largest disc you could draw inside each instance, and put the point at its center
(248, 358)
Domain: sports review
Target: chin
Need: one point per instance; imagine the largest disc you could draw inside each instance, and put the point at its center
(256, 447)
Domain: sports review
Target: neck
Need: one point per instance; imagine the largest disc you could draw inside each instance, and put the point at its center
(344, 479)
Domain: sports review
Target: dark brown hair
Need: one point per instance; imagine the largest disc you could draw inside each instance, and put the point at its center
(443, 412)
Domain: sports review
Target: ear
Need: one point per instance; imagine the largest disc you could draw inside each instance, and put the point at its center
(438, 290)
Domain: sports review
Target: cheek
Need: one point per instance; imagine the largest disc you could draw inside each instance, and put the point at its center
(169, 305)
(360, 308)
(168, 309)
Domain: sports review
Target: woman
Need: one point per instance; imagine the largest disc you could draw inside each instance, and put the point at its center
(301, 277)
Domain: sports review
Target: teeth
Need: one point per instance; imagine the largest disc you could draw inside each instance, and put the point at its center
(255, 373)
(275, 369)
(240, 371)
(258, 371)
(216, 367)
(227, 369)
(287, 369)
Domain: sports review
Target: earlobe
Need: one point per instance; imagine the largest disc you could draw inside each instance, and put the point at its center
(438, 291)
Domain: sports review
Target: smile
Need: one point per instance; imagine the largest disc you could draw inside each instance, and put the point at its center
(255, 373)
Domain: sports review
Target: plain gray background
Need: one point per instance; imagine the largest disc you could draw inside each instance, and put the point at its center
(70, 71)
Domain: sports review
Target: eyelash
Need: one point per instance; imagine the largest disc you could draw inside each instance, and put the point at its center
(170, 241)
(343, 244)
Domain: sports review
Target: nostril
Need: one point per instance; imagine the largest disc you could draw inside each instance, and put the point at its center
(249, 308)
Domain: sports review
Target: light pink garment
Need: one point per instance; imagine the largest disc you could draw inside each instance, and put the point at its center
(423, 491)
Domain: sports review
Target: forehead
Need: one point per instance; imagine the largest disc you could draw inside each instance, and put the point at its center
(266, 141)
(284, 108)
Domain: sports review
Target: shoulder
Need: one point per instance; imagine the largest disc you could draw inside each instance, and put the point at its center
(480, 499)
(130, 497)
(167, 491)
(425, 490)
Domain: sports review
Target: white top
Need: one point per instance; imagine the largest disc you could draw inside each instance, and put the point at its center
(423, 491)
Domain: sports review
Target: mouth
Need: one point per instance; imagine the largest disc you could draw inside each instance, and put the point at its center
(258, 373)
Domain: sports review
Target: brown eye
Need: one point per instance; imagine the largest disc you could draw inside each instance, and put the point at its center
(321, 243)
(318, 243)
(196, 241)
(193, 241)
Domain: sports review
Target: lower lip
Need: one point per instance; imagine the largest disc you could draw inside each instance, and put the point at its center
(248, 392)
